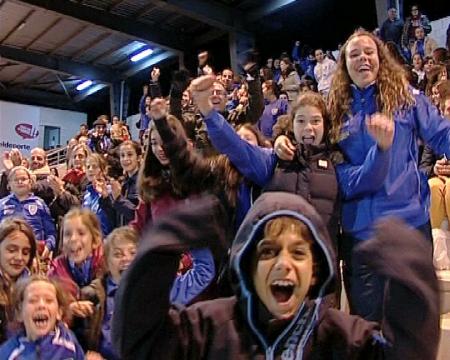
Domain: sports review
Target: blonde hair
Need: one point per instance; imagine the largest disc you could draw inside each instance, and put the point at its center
(13, 171)
(74, 150)
(392, 86)
(120, 235)
(100, 160)
(90, 220)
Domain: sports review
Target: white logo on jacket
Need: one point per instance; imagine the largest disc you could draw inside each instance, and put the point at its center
(32, 209)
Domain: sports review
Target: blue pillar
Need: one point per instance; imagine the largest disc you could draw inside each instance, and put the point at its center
(119, 99)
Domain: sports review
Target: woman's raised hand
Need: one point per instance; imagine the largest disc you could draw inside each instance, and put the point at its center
(202, 89)
(158, 108)
(382, 129)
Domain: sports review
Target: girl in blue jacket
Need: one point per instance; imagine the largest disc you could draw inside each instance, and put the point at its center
(377, 122)
(40, 308)
(97, 196)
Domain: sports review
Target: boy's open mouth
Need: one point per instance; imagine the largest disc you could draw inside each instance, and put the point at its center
(282, 290)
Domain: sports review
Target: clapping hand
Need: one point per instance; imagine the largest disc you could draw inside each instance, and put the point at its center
(382, 129)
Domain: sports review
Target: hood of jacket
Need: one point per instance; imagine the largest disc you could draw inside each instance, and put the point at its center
(271, 205)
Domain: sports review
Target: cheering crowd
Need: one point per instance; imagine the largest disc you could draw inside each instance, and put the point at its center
(220, 232)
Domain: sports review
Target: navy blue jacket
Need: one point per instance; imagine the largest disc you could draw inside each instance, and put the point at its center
(60, 344)
(312, 176)
(392, 31)
(125, 205)
(35, 213)
(102, 207)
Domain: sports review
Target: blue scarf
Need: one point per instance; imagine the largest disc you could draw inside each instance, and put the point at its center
(82, 273)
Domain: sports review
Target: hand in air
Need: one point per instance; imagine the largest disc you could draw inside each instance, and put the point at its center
(158, 108)
(202, 89)
(382, 129)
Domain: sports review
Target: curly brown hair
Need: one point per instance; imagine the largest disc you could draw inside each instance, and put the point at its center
(393, 92)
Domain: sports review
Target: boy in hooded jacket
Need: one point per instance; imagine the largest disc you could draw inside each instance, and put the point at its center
(282, 263)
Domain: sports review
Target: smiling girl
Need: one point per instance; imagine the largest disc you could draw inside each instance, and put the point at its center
(96, 197)
(310, 162)
(17, 251)
(377, 122)
(125, 195)
(80, 264)
(40, 308)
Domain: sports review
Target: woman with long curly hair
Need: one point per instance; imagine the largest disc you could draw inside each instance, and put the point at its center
(377, 122)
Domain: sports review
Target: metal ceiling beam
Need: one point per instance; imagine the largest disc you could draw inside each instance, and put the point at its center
(38, 97)
(107, 53)
(208, 37)
(67, 39)
(19, 24)
(146, 9)
(97, 40)
(114, 4)
(42, 33)
(269, 7)
(59, 65)
(213, 14)
(121, 24)
(24, 71)
(63, 86)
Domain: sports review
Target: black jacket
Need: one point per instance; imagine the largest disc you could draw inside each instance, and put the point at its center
(427, 161)
(312, 176)
(146, 327)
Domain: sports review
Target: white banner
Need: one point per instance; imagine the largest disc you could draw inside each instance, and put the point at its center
(19, 128)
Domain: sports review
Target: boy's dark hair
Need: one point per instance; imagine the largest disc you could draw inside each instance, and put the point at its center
(280, 225)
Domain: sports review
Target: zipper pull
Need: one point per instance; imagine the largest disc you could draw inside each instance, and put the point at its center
(269, 353)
